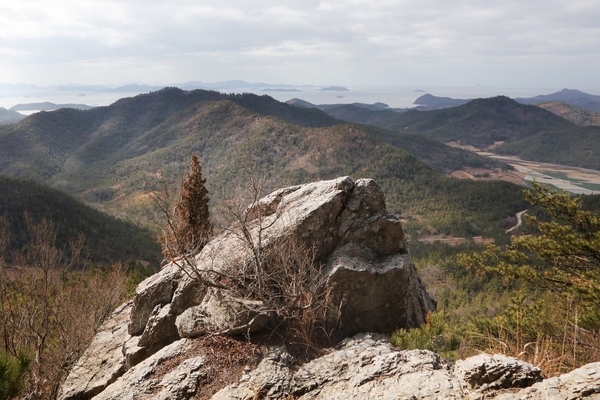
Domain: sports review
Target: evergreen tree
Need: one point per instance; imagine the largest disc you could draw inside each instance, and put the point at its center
(189, 227)
(564, 257)
(13, 371)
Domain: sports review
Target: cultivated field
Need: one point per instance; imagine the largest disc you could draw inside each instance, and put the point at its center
(571, 179)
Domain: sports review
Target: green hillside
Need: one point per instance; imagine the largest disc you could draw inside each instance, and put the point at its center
(106, 239)
(479, 123)
(528, 131)
(442, 158)
(578, 146)
(105, 156)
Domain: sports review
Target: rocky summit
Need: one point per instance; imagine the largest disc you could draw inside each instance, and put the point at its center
(151, 347)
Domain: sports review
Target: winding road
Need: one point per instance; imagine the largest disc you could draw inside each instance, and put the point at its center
(519, 221)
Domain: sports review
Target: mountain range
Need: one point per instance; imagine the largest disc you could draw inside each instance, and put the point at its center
(137, 88)
(106, 155)
(575, 98)
(572, 97)
(500, 124)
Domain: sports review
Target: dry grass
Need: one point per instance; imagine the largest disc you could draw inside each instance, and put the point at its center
(552, 355)
(556, 346)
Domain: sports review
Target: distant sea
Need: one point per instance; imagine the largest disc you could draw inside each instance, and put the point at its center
(397, 97)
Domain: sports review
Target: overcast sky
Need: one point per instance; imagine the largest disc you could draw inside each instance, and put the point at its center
(512, 43)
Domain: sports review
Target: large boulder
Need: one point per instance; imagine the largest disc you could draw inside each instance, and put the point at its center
(357, 243)
(347, 226)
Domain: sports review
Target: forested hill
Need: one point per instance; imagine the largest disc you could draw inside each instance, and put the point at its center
(9, 116)
(44, 141)
(105, 156)
(529, 131)
(479, 123)
(107, 239)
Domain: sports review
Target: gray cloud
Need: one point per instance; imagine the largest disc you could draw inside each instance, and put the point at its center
(510, 42)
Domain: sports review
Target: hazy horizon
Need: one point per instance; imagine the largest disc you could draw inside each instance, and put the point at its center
(399, 96)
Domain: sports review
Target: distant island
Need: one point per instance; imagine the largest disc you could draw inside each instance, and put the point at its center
(430, 102)
(419, 91)
(281, 90)
(334, 89)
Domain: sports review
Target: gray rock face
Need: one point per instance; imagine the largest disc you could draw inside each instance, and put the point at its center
(367, 367)
(155, 290)
(218, 313)
(497, 372)
(141, 382)
(103, 361)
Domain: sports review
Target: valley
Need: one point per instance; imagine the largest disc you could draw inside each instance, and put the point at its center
(574, 180)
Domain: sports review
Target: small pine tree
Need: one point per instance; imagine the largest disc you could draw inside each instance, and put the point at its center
(190, 227)
(196, 227)
(13, 371)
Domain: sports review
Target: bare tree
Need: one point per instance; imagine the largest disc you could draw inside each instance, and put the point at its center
(50, 309)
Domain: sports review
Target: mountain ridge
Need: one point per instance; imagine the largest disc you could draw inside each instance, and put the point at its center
(527, 131)
(106, 238)
(106, 155)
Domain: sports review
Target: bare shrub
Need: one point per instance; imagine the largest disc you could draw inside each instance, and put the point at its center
(50, 310)
(271, 277)
(545, 335)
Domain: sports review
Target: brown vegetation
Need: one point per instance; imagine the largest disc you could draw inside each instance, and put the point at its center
(573, 114)
(50, 310)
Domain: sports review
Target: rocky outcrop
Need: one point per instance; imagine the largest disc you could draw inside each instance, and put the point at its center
(582, 383)
(367, 367)
(139, 352)
(367, 269)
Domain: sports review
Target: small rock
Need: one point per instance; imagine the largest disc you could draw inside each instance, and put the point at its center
(485, 372)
